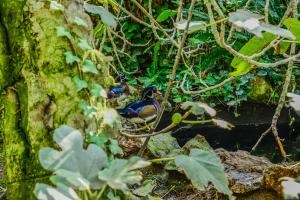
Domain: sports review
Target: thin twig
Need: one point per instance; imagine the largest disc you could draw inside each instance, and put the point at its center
(171, 79)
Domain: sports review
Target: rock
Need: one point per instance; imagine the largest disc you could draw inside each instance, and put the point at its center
(198, 142)
(244, 170)
(273, 173)
(163, 145)
(260, 91)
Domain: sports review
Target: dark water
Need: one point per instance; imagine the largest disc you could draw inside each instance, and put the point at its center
(254, 119)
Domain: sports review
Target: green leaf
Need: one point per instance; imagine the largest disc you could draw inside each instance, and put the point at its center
(62, 32)
(98, 91)
(70, 58)
(87, 109)
(62, 192)
(99, 140)
(202, 167)
(72, 157)
(294, 26)
(80, 22)
(106, 17)
(89, 66)
(80, 84)
(253, 46)
(84, 45)
(111, 196)
(75, 180)
(166, 14)
(114, 147)
(120, 173)
(145, 189)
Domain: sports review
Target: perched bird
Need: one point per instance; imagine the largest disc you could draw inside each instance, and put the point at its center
(144, 110)
(118, 92)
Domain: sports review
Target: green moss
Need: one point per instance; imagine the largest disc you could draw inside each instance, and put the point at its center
(4, 70)
(260, 91)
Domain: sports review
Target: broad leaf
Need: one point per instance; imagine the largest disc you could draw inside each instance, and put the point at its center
(80, 84)
(145, 189)
(98, 91)
(294, 26)
(62, 32)
(250, 21)
(70, 58)
(84, 45)
(253, 46)
(75, 180)
(62, 192)
(166, 14)
(114, 147)
(202, 167)
(110, 117)
(87, 163)
(111, 196)
(106, 17)
(121, 172)
(89, 66)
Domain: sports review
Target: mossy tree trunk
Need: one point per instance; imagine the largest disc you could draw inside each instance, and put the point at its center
(37, 92)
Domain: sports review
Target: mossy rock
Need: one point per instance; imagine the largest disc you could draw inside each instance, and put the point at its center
(261, 90)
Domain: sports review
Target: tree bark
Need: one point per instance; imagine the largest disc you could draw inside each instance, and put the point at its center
(37, 92)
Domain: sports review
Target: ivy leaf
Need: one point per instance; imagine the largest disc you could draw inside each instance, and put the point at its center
(62, 32)
(98, 91)
(62, 192)
(70, 58)
(80, 22)
(54, 5)
(75, 180)
(209, 166)
(106, 17)
(73, 157)
(84, 45)
(88, 110)
(80, 84)
(121, 172)
(250, 21)
(114, 147)
(99, 140)
(294, 26)
(146, 189)
(166, 14)
(89, 66)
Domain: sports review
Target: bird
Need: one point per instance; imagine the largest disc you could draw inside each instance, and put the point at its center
(120, 91)
(143, 110)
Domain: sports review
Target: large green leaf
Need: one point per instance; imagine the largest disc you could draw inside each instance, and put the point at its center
(253, 46)
(62, 192)
(294, 26)
(202, 167)
(166, 14)
(87, 163)
(121, 172)
(106, 17)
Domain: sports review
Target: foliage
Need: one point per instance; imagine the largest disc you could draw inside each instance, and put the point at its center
(77, 169)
